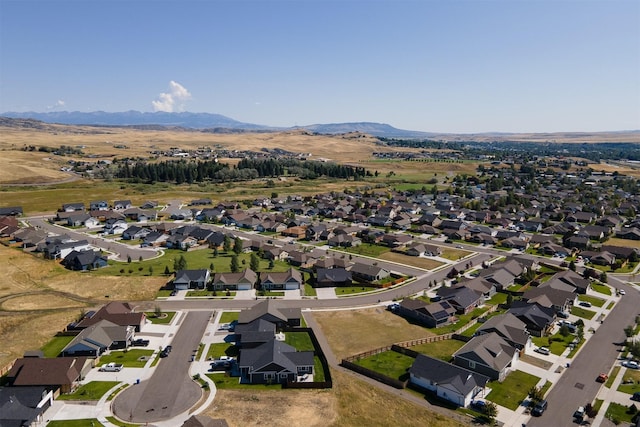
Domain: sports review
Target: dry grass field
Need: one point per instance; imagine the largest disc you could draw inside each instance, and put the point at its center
(354, 331)
(626, 243)
(351, 402)
(39, 298)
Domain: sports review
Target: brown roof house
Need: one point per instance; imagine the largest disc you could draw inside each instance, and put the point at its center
(120, 313)
(59, 373)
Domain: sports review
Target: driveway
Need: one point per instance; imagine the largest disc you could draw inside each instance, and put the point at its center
(170, 391)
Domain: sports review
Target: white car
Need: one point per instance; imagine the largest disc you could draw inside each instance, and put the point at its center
(622, 292)
(543, 350)
(632, 364)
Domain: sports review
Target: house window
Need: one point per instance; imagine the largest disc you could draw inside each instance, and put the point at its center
(472, 365)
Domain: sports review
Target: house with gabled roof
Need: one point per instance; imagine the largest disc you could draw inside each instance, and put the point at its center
(448, 381)
(272, 311)
(332, 277)
(72, 207)
(94, 340)
(56, 374)
(243, 281)
(368, 273)
(488, 354)
(509, 327)
(288, 280)
(119, 313)
(191, 279)
(85, 260)
(274, 362)
(24, 406)
(432, 315)
(255, 333)
(538, 318)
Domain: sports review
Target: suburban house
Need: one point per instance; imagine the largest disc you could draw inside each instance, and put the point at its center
(99, 205)
(255, 333)
(449, 382)
(191, 279)
(509, 327)
(332, 277)
(135, 232)
(368, 273)
(538, 318)
(120, 313)
(85, 260)
(462, 299)
(288, 280)
(270, 311)
(274, 362)
(431, 315)
(481, 286)
(72, 207)
(488, 354)
(98, 338)
(11, 211)
(59, 247)
(121, 205)
(243, 281)
(82, 219)
(58, 374)
(24, 406)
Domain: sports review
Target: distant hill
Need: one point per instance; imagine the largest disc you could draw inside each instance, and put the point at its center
(208, 121)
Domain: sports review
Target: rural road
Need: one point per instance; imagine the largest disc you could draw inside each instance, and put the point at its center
(170, 391)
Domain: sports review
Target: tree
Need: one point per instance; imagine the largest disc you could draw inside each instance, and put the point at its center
(129, 259)
(535, 393)
(271, 264)
(235, 266)
(180, 263)
(634, 348)
(226, 246)
(211, 267)
(157, 311)
(509, 300)
(166, 270)
(629, 331)
(490, 411)
(215, 252)
(572, 266)
(254, 262)
(564, 331)
(140, 259)
(237, 246)
(603, 277)
(150, 270)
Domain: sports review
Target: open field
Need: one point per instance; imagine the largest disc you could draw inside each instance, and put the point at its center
(626, 243)
(350, 403)
(353, 331)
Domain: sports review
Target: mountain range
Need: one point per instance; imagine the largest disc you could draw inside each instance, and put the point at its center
(204, 121)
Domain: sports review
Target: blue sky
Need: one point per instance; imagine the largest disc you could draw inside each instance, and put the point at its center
(441, 66)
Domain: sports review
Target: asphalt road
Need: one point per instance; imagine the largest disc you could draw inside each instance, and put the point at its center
(170, 391)
(578, 385)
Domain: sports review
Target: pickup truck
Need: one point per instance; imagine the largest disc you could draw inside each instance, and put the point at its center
(111, 367)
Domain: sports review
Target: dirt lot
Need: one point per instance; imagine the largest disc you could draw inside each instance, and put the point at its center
(354, 331)
(350, 403)
(424, 263)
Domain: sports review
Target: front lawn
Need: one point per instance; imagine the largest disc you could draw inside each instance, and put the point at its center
(616, 412)
(366, 249)
(301, 341)
(598, 302)
(75, 423)
(93, 390)
(631, 387)
(54, 347)
(350, 290)
(390, 363)
(556, 343)
(513, 390)
(601, 288)
(581, 312)
(128, 358)
(163, 319)
(221, 349)
(229, 316)
(309, 290)
(442, 350)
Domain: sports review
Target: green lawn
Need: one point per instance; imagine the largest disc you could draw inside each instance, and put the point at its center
(546, 387)
(117, 422)
(598, 302)
(309, 290)
(206, 293)
(581, 312)
(618, 412)
(128, 358)
(390, 363)
(55, 346)
(93, 390)
(165, 318)
(222, 381)
(439, 349)
(601, 288)
(350, 290)
(86, 422)
(513, 390)
(229, 316)
(221, 349)
(610, 305)
(630, 375)
(612, 376)
(318, 372)
(301, 341)
(463, 319)
(556, 343)
(498, 298)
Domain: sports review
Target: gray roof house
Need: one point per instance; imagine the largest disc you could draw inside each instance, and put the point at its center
(368, 273)
(24, 406)
(487, 354)
(449, 382)
(98, 338)
(509, 327)
(270, 311)
(274, 362)
(288, 280)
(191, 279)
(243, 281)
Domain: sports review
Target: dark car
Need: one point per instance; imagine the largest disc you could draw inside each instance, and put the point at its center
(539, 408)
(636, 396)
(166, 351)
(140, 342)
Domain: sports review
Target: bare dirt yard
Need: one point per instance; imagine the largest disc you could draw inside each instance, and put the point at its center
(354, 331)
(351, 402)
(419, 262)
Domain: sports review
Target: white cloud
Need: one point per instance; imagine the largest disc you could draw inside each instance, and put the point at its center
(59, 104)
(174, 100)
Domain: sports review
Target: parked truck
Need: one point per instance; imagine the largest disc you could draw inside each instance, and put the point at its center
(111, 367)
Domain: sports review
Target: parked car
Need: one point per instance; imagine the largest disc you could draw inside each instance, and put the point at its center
(543, 350)
(636, 396)
(602, 378)
(563, 314)
(111, 367)
(140, 342)
(622, 292)
(479, 404)
(579, 414)
(585, 303)
(539, 408)
(166, 351)
(632, 364)
(173, 293)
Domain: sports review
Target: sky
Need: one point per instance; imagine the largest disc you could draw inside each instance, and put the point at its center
(436, 66)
